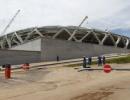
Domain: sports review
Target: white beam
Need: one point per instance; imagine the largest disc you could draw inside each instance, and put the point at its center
(70, 34)
(12, 36)
(127, 43)
(106, 35)
(118, 40)
(70, 38)
(56, 34)
(19, 37)
(60, 31)
(38, 32)
(96, 37)
(28, 35)
(84, 36)
(8, 41)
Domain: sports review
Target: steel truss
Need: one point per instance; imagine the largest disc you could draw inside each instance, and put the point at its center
(83, 35)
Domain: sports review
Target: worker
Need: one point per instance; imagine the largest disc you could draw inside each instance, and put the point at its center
(87, 62)
(99, 61)
(90, 60)
(103, 60)
(84, 62)
(57, 58)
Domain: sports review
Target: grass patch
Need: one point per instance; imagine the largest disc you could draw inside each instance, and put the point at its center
(120, 60)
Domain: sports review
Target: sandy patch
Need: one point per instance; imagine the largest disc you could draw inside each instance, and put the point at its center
(65, 83)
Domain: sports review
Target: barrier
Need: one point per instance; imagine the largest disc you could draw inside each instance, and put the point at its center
(7, 71)
(107, 68)
(26, 66)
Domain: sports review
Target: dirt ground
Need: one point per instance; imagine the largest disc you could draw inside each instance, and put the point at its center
(64, 83)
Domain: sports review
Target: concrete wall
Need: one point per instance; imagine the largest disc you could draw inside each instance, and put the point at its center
(34, 45)
(51, 48)
(69, 50)
(19, 57)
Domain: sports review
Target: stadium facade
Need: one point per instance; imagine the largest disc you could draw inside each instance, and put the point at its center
(67, 42)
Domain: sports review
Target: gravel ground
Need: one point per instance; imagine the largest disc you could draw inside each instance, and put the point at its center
(64, 83)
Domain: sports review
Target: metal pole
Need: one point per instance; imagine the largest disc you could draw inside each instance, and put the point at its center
(74, 32)
(8, 25)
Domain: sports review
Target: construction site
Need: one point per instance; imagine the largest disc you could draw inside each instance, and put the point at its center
(45, 43)
(46, 63)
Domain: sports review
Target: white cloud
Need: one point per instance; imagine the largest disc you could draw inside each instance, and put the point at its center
(101, 13)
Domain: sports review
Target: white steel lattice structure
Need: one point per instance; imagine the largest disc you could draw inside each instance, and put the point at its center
(83, 35)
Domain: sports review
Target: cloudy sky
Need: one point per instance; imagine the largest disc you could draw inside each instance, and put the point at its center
(102, 14)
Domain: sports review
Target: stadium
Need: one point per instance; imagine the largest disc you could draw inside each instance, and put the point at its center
(67, 42)
(83, 35)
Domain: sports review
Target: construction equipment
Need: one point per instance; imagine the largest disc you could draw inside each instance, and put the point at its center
(74, 32)
(10, 22)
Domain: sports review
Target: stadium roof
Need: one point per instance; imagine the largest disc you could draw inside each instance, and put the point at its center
(69, 33)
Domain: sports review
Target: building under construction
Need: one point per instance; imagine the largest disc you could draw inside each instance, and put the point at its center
(48, 42)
